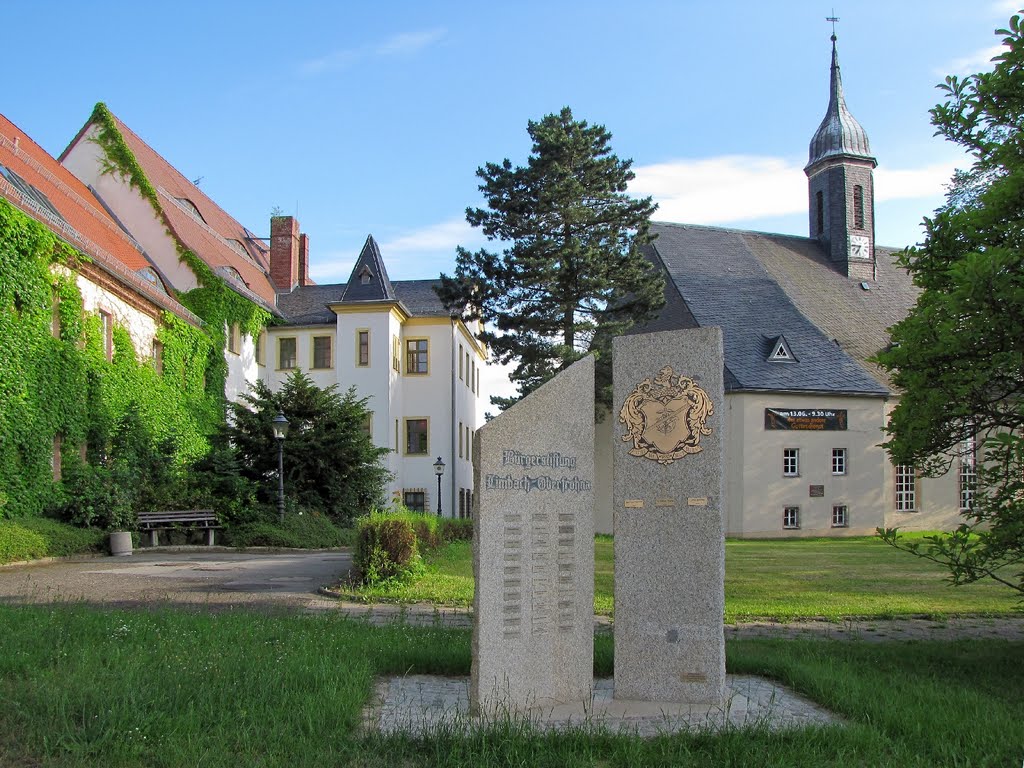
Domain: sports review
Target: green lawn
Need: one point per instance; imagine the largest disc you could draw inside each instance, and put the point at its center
(83, 688)
(772, 579)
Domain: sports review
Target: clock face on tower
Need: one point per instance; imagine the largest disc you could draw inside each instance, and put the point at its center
(859, 247)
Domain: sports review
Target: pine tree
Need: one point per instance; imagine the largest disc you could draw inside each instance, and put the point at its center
(571, 276)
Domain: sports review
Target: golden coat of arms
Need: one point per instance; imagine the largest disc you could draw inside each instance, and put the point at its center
(665, 417)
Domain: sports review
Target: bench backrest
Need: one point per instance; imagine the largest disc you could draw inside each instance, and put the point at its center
(179, 516)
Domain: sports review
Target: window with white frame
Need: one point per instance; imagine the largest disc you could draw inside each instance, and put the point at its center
(790, 462)
(840, 516)
(968, 473)
(838, 461)
(906, 488)
(791, 517)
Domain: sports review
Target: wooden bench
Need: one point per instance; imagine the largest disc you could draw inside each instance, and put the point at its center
(153, 522)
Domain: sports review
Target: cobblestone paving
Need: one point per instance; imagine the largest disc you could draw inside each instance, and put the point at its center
(425, 704)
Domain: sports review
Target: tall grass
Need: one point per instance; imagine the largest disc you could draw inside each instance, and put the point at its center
(80, 687)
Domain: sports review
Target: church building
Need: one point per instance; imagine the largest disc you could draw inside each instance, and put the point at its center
(801, 319)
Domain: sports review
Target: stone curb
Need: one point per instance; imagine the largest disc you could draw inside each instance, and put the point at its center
(870, 630)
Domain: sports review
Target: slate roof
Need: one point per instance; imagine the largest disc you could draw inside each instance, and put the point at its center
(369, 265)
(208, 234)
(758, 286)
(308, 305)
(76, 217)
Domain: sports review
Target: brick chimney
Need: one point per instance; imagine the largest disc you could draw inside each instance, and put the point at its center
(304, 260)
(284, 253)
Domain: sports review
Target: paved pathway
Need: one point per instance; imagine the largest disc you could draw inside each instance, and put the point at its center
(221, 578)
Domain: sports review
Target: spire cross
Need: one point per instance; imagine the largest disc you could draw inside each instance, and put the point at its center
(833, 18)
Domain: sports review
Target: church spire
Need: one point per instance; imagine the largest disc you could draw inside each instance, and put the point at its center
(839, 133)
(841, 184)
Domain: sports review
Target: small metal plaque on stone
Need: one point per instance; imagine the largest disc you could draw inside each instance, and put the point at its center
(817, 491)
(693, 677)
(634, 504)
(664, 502)
(698, 502)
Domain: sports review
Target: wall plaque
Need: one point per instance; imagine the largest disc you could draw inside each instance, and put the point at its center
(817, 491)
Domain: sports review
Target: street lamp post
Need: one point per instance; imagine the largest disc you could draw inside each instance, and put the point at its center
(280, 424)
(439, 471)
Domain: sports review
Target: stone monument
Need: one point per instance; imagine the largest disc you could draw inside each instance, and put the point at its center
(669, 512)
(533, 549)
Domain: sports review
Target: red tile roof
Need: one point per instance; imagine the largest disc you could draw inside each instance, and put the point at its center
(82, 221)
(207, 235)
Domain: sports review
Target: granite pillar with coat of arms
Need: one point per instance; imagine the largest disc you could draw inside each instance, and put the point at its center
(669, 412)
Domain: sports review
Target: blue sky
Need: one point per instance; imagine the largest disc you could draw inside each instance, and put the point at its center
(365, 118)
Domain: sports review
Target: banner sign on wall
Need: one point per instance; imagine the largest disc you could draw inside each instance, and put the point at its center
(811, 419)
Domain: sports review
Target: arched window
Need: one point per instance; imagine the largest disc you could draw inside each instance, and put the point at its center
(819, 204)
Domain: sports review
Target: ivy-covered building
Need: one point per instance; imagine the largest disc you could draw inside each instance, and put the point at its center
(88, 326)
(393, 342)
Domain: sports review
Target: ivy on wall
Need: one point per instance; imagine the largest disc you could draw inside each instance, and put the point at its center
(220, 308)
(64, 385)
(214, 301)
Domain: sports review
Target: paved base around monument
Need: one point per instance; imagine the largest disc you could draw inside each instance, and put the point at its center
(425, 703)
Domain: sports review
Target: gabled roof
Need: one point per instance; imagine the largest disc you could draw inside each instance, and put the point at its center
(49, 193)
(369, 279)
(197, 222)
(723, 282)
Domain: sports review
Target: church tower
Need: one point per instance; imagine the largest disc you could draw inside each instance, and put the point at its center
(841, 186)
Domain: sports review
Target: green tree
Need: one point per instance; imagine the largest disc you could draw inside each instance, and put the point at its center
(571, 276)
(330, 462)
(958, 356)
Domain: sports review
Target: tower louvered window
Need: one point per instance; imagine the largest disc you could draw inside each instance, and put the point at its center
(819, 204)
(858, 207)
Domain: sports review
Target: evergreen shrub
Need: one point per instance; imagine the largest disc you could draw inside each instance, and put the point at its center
(34, 538)
(385, 549)
(302, 529)
(456, 529)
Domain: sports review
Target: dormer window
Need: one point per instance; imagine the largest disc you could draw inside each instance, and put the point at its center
(230, 272)
(189, 206)
(150, 276)
(365, 275)
(781, 353)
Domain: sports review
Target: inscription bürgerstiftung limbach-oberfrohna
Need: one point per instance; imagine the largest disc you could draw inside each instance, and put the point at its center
(527, 483)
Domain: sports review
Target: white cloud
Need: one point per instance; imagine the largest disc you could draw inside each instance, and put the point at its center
(404, 44)
(409, 42)
(717, 190)
(898, 184)
(1005, 8)
(734, 188)
(980, 60)
(443, 236)
(331, 62)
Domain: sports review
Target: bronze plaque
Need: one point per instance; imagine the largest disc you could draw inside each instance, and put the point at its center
(665, 417)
